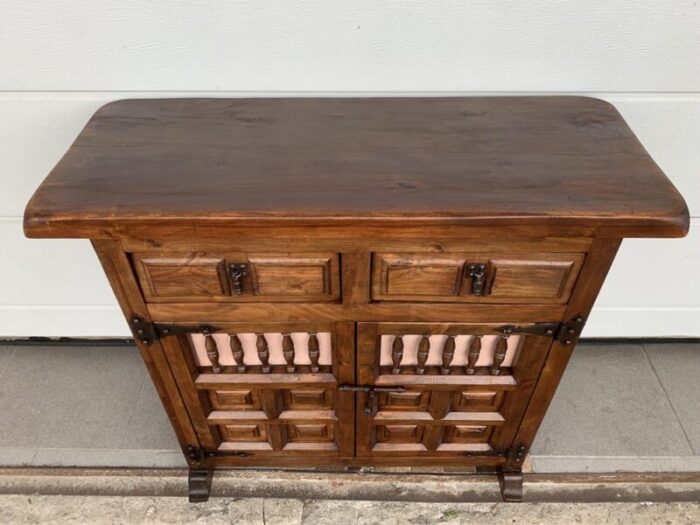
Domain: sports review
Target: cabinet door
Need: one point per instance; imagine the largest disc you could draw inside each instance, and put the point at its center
(443, 391)
(267, 389)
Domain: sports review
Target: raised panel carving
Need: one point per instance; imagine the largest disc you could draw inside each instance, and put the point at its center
(545, 277)
(305, 276)
(244, 432)
(233, 399)
(307, 398)
(475, 277)
(408, 275)
(310, 432)
(186, 275)
(238, 277)
(476, 400)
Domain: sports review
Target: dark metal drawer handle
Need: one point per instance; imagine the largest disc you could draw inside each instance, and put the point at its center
(477, 273)
(236, 272)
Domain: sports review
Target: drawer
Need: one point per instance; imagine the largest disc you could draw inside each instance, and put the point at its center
(198, 276)
(475, 277)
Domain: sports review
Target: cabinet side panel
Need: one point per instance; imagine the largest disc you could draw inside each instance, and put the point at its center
(586, 290)
(121, 279)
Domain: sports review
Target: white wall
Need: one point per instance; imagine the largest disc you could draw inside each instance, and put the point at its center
(60, 60)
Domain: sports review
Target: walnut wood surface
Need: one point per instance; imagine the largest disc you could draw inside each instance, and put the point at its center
(567, 161)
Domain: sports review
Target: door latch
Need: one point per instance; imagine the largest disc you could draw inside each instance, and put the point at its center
(372, 404)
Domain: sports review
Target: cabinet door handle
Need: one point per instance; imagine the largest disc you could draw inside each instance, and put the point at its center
(477, 273)
(236, 272)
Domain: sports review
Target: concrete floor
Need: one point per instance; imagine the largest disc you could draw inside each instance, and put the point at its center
(620, 407)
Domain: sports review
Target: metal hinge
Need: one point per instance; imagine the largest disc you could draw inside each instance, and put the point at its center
(197, 455)
(147, 332)
(515, 454)
(566, 333)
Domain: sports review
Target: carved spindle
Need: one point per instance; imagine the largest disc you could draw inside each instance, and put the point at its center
(473, 355)
(423, 351)
(263, 353)
(314, 352)
(288, 351)
(448, 352)
(212, 352)
(397, 354)
(237, 351)
(499, 355)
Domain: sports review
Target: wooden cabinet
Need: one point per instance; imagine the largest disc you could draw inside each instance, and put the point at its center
(350, 282)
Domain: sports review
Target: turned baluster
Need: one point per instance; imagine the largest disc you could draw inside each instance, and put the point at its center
(448, 352)
(263, 353)
(237, 351)
(473, 355)
(423, 351)
(288, 351)
(397, 354)
(212, 352)
(499, 355)
(314, 352)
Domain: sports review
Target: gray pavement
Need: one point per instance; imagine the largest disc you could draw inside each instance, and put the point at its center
(98, 510)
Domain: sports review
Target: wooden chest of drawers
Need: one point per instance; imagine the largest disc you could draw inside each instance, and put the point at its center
(350, 282)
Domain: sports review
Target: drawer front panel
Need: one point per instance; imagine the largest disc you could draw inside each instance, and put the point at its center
(443, 389)
(238, 277)
(475, 277)
(267, 389)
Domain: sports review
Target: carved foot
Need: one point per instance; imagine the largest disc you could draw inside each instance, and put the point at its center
(511, 482)
(199, 484)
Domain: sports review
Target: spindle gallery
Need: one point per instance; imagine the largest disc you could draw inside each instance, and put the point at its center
(356, 282)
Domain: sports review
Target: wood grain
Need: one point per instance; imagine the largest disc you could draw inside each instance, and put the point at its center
(512, 160)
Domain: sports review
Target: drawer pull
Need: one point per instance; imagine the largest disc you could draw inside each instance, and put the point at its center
(236, 272)
(477, 273)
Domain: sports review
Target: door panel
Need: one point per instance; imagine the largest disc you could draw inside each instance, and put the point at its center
(461, 388)
(271, 389)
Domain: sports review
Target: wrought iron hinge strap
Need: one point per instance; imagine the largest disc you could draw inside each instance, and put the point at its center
(566, 333)
(147, 332)
(515, 454)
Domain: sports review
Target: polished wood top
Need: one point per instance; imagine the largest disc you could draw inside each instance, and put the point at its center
(544, 161)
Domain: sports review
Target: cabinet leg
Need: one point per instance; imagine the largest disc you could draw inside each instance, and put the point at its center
(199, 484)
(511, 482)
